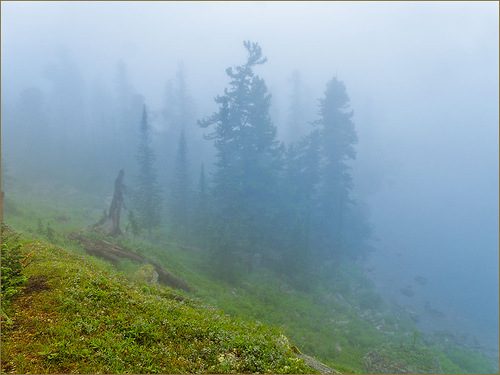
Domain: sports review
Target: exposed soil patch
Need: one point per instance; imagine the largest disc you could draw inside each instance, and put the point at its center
(36, 284)
(114, 253)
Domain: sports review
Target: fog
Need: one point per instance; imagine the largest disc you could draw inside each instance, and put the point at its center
(423, 83)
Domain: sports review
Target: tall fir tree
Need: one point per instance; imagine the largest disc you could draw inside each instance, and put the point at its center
(34, 136)
(338, 137)
(296, 111)
(302, 176)
(127, 108)
(202, 208)
(248, 161)
(180, 192)
(202, 183)
(178, 116)
(147, 194)
(178, 106)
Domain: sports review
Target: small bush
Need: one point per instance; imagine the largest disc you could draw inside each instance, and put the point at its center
(11, 269)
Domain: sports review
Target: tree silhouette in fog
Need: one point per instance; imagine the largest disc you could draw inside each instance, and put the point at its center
(147, 196)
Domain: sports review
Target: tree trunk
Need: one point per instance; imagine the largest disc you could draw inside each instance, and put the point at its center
(116, 205)
(110, 222)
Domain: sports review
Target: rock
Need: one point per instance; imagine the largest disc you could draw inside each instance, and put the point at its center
(317, 365)
(407, 291)
(420, 280)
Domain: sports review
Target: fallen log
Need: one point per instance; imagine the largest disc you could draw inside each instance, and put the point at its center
(114, 253)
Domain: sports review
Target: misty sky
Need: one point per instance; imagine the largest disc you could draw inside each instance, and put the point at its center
(423, 81)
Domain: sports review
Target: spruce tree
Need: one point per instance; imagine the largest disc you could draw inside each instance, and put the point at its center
(201, 209)
(248, 160)
(127, 108)
(178, 117)
(296, 111)
(202, 195)
(180, 191)
(338, 137)
(202, 183)
(147, 194)
(178, 107)
(300, 189)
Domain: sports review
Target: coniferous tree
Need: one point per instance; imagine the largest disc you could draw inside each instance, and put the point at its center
(202, 183)
(178, 108)
(201, 210)
(338, 137)
(248, 160)
(180, 191)
(202, 206)
(34, 136)
(67, 103)
(301, 189)
(178, 117)
(296, 118)
(128, 106)
(147, 194)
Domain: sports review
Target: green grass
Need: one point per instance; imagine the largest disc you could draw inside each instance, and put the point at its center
(77, 314)
(329, 322)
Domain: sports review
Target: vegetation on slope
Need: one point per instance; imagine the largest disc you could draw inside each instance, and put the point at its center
(342, 321)
(76, 314)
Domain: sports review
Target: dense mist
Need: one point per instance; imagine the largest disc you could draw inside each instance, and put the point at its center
(80, 80)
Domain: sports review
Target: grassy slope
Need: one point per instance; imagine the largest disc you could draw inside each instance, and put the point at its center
(338, 324)
(329, 323)
(77, 314)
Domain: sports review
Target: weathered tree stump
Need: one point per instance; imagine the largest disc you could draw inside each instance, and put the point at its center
(110, 222)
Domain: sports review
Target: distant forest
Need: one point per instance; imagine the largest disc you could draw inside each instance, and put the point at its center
(250, 201)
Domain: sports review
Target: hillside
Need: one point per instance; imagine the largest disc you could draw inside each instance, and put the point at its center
(341, 321)
(77, 314)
